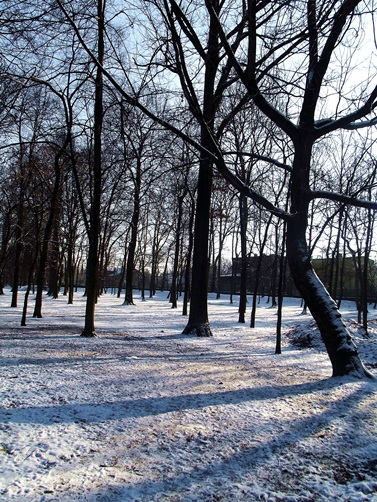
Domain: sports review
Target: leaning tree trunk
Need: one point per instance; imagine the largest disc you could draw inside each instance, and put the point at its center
(340, 347)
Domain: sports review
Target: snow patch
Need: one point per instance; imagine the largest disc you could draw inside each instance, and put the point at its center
(142, 413)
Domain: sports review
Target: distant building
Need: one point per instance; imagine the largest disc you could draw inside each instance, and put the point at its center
(344, 277)
(347, 277)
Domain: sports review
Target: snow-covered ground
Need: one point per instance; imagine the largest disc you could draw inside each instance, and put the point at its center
(143, 413)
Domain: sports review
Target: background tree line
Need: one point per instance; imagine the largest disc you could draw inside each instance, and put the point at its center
(165, 139)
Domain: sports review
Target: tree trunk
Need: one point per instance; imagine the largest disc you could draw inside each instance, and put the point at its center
(5, 238)
(123, 271)
(43, 259)
(70, 273)
(187, 293)
(212, 253)
(243, 230)
(258, 274)
(281, 287)
(274, 277)
(19, 240)
(28, 288)
(342, 280)
(16, 271)
(55, 262)
(94, 228)
(341, 349)
(128, 299)
(275, 266)
(164, 279)
(198, 319)
(336, 292)
(368, 243)
(218, 279)
(154, 264)
(143, 279)
(173, 289)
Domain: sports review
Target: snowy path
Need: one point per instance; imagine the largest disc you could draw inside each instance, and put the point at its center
(144, 413)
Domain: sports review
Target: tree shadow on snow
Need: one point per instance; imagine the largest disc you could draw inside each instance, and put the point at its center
(153, 406)
(242, 462)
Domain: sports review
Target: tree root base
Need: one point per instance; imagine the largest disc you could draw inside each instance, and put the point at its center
(201, 329)
(88, 334)
(352, 367)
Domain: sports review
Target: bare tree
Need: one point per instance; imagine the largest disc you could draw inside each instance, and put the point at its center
(288, 51)
(327, 26)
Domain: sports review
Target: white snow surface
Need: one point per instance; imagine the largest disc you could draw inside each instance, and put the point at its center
(143, 413)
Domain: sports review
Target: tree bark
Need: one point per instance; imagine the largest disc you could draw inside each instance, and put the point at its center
(281, 287)
(19, 233)
(5, 238)
(198, 318)
(70, 272)
(28, 288)
(128, 299)
(155, 256)
(341, 349)
(48, 233)
(55, 261)
(17, 257)
(123, 271)
(173, 289)
(187, 292)
(243, 208)
(94, 228)
(258, 275)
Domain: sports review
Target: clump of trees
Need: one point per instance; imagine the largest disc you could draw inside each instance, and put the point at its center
(141, 140)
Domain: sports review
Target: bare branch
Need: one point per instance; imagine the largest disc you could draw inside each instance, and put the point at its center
(350, 121)
(249, 79)
(344, 199)
(264, 158)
